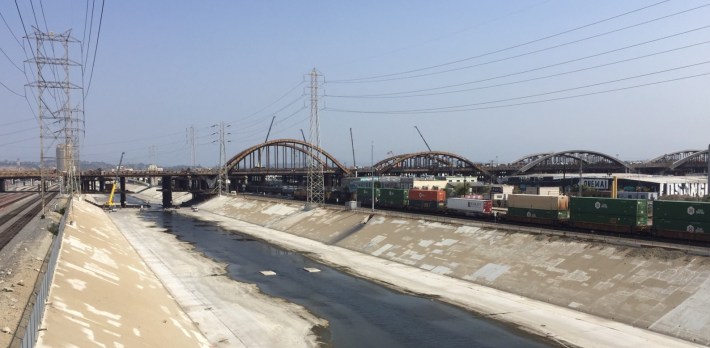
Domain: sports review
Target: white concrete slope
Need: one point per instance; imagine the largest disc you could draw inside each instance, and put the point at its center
(228, 313)
(558, 323)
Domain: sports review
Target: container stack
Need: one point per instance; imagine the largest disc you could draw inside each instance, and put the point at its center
(538, 207)
(680, 216)
(427, 199)
(364, 195)
(609, 211)
(393, 198)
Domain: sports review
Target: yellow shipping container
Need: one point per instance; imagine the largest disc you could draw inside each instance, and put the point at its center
(538, 202)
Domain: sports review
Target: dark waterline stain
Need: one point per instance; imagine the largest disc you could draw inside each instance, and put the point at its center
(360, 313)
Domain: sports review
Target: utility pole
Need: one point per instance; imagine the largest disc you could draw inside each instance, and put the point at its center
(65, 115)
(580, 176)
(315, 165)
(372, 166)
(191, 143)
(352, 144)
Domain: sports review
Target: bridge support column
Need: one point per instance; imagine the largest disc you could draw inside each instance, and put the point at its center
(167, 191)
(102, 184)
(123, 191)
(2, 185)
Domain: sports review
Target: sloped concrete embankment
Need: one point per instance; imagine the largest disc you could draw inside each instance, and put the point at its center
(663, 290)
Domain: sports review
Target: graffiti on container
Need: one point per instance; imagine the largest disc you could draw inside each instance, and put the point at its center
(599, 184)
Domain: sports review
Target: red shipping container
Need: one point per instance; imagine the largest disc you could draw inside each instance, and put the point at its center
(427, 195)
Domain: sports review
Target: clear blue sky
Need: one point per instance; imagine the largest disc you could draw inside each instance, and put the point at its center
(163, 66)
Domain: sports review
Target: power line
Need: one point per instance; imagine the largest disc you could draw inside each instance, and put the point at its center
(444, 109)
(507, 48)
(393, 95)
(19, 131)
(83, 38)
(15, 122)
(11, 91)
(10, 60)
(11, 32)
(18, 141)
(96, 47)
(522, 54)
(274, 102)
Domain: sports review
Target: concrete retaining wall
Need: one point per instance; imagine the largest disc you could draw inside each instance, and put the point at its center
(664, 290)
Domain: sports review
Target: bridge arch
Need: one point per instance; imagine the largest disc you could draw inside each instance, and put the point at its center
(572, 156)
(530, 158)
(698, 156)
(427, 161)
(673, 156)
(282, 155)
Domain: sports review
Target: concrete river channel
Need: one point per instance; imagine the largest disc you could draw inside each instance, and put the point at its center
(360, 313)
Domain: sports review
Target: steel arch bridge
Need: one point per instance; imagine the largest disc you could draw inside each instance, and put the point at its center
(678, 163)
(522, 161)
(566, 161)
(699, 158)
(429, 162)
(673, 156)
(282, 157)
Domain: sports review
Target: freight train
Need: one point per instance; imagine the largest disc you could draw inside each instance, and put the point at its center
(681, 220)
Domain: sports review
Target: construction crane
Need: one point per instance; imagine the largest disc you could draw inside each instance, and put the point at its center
(115, 183)
(420, 134)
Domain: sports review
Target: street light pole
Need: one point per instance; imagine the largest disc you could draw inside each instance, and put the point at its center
(372, 160)
(580, 176)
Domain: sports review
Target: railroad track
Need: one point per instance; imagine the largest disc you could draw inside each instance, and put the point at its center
(9, 198)
(11, 231)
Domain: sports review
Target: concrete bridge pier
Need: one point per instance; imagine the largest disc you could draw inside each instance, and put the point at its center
(167, 191)
(2, 185)
(102, 185)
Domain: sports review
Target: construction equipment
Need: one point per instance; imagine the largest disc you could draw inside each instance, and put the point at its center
(116, 180)
(420, 134)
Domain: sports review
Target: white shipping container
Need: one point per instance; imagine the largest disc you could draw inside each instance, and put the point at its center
(495, 196)
(468, 205)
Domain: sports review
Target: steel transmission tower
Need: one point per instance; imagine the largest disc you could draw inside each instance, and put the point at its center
(65, 121)
(222, 179)
(315, 165)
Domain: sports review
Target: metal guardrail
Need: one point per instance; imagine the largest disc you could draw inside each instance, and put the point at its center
(26, 337)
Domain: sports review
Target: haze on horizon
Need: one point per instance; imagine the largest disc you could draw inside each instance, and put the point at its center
(488, 80)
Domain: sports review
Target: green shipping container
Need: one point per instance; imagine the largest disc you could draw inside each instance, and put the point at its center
(364, 194)
(608, 206)
(539, 213)
(641, 220)
(682, 211)
(392, 197)
(682, 225)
